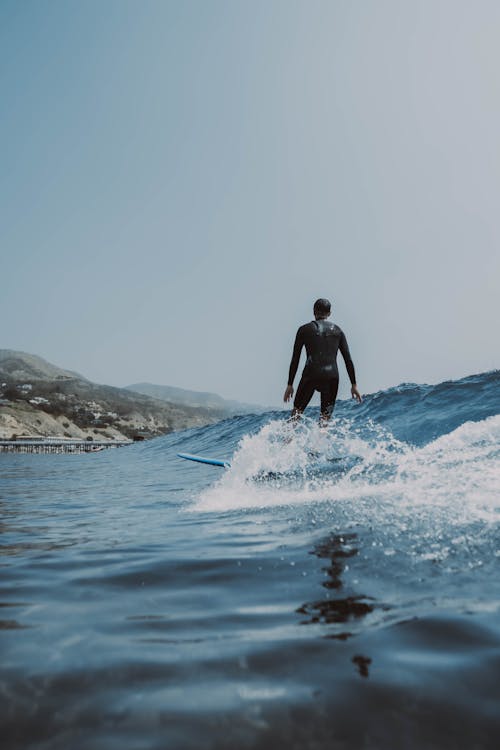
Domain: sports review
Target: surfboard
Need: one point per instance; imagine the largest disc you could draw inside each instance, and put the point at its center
(204, 460)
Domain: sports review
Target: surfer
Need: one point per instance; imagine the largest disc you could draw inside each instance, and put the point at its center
(322, 340)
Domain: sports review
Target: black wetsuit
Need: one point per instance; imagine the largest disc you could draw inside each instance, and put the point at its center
(322, 340)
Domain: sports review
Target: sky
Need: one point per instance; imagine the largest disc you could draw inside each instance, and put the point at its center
(180, 181)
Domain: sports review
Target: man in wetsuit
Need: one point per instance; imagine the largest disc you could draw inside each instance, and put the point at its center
(322, 340)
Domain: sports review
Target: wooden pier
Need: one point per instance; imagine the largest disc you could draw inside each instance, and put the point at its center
(58, 445)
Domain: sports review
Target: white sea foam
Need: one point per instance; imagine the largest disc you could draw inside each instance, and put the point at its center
(282, 465)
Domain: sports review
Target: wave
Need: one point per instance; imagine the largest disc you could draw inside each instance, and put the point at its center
(411, 413)
(407, 447)
(368, 470)
(418, 414)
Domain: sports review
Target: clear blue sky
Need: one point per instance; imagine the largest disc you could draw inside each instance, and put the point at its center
(180, 180)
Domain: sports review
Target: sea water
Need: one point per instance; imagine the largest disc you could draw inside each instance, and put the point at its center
(335, 588)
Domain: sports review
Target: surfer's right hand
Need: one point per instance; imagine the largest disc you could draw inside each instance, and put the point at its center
(356, 394)
(288, 393)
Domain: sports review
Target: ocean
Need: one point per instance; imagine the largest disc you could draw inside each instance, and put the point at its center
(333, 589)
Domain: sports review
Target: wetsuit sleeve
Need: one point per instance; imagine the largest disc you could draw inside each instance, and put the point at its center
(349, 365)
(297, 348)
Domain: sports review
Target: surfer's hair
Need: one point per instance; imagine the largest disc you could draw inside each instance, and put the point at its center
(322, 306)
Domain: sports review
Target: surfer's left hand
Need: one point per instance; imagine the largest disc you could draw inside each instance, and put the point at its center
(288, 393)
(356, 394)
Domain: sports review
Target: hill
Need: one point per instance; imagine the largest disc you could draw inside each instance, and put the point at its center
(193, 398)
(38, 398)
(22, 366)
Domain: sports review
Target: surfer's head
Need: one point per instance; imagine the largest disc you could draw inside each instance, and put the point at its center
(322, 308)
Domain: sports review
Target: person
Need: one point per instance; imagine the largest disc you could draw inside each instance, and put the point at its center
(322, 340)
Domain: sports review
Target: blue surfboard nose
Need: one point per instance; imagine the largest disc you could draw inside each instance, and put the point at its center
(205, 460)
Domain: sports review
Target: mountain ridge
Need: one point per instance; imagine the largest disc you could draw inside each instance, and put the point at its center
(206, 399)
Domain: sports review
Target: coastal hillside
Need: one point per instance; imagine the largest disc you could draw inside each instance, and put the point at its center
(193, 398)
(38, 399)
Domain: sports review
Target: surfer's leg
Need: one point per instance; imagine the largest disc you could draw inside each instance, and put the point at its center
(328, 397)
(304, 394)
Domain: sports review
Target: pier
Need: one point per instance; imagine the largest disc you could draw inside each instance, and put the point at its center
(58, 445)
